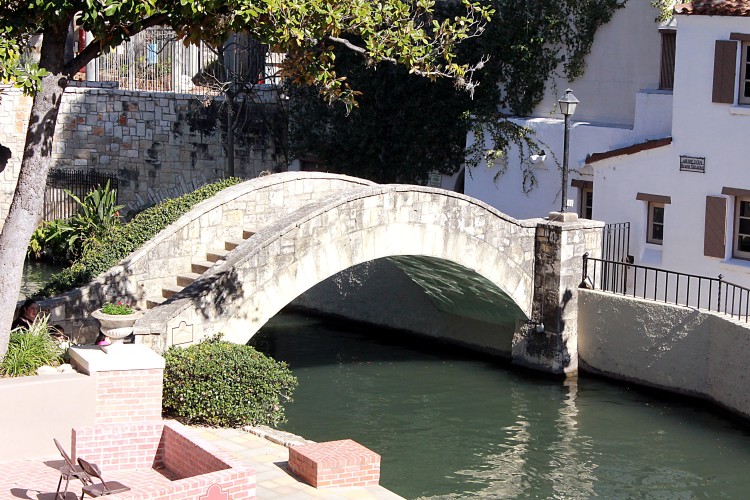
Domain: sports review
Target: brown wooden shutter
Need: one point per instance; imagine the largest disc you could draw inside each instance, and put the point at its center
(725, 62)
(714, 238)
(666, 75)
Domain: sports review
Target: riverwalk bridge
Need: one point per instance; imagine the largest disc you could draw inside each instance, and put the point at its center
(438, 263)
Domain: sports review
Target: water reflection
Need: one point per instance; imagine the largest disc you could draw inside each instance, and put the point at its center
(35, 276)
(452, 426)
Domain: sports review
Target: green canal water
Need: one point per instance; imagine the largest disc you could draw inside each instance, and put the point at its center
(449, 424)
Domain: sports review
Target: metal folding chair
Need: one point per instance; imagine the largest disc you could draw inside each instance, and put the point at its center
(69, 470)
(104, 487)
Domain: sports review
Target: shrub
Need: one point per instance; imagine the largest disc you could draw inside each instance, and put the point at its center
(49, 241)
(28, 349)
(222, 384)
(102, 253)
(118, 309)
(97, 214)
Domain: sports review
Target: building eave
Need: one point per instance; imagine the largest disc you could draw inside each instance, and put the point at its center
(628, 150)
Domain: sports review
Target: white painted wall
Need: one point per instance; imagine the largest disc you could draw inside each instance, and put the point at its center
(623, 60)
(701, 128)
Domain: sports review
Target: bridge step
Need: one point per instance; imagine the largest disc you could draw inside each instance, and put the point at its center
(152, 302)
(170, 290)
(201, 266)
(232, 244)
(247, 233)
(187, 278)
(216, 255)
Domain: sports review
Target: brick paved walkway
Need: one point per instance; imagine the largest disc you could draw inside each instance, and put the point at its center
(37, 479)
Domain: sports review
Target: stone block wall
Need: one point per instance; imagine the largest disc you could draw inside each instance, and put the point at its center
(158, 144)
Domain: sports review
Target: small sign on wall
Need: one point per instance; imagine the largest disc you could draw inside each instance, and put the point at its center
(692, 164)
(435, 180)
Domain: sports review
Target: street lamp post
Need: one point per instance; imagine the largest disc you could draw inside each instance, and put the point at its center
(568, 103)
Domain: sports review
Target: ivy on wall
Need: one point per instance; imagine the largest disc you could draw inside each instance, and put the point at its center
(404, 128)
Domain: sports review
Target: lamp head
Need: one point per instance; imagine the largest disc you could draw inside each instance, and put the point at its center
(568, 103)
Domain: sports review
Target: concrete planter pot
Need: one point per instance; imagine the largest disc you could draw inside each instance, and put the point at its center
(116, 326)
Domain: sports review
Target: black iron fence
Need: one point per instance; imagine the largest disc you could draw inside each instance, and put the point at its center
(616, 247)
(701, 292)
(57, 203)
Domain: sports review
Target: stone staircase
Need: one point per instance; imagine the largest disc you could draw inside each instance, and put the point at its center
(197, 268)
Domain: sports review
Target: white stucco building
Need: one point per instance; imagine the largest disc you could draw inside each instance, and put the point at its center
(670, 161)
(620, 104)
(688, 197)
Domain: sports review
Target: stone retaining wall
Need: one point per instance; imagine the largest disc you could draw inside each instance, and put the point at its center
(159, 145)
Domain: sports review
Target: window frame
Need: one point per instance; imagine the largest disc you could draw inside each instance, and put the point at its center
(743, 82)
(736, 252)
(650, 223)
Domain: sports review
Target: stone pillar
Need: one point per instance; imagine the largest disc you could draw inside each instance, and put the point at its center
(128, 381)
(549, 341)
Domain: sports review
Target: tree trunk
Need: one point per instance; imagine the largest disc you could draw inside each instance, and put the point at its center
(28, 200)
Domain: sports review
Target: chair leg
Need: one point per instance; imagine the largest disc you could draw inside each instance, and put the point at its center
(57, 492)
(67, 483)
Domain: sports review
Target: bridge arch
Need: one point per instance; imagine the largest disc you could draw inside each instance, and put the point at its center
(305, 247)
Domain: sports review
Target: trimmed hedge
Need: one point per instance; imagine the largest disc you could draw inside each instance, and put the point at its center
(102, 254)
(218, 383)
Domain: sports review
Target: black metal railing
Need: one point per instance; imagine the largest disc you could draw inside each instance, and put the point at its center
(57, 203)
(700, 292)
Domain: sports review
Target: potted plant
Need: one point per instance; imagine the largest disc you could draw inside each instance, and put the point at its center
(116, 320)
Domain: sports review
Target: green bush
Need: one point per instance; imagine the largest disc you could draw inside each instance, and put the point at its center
(28, 349)
(103, 252)
(222, 384)
(97, 215)
(49, 242)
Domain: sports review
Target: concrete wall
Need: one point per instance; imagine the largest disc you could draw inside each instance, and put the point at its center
(670, 347)
(357, 294)
(158, 144)
(37, 409)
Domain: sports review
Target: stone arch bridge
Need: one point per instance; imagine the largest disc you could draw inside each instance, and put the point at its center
(480, 277)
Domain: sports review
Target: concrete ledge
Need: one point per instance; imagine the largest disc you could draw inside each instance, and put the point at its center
(335, 464)
(93, 359)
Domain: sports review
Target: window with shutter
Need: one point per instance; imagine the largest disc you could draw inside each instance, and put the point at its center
(714, 236)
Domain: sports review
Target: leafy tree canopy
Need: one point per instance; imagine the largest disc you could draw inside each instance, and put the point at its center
(404, 129)
(306, 30)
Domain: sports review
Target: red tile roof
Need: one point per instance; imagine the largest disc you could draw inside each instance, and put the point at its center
(714, 8)
(628, 150)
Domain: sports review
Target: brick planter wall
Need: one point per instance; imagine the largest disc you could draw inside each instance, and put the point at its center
(120, 446)
(128, 395)
(335, 464)
(189, 466)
